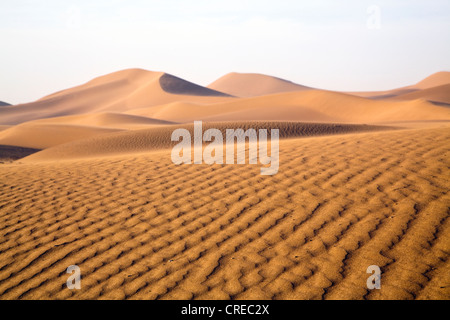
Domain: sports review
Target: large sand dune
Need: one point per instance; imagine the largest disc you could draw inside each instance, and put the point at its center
(116, 92)
(439, 95)
(49, 132)
(142, 141)
(253, 84)
(435, 80)
(310, 105)
(140, 227)
(41, 136)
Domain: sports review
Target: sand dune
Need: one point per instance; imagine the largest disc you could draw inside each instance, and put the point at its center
(49, 132)
(104, 120)
(140, 227)
(253, 84)
(439, 95)
(2, 104)
(310, 105)
(41, 136)
(165, 97)
(4, 127)
(435, 80)
(142, 141)
(116, 92)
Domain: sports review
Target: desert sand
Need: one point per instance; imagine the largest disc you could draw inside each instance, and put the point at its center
(86, 179)
(252, 85)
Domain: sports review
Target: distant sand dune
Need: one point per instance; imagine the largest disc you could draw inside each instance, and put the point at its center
(41, 136)
(158, 138)
(116, 92)
(438, 95)
(49, 132)
(253, 84)
(310, 105)
(435, 80)
(176, 85)
(104, 120)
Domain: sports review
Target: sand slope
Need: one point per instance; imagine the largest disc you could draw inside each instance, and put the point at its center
(439, 95)
(140, 227)
(41, 136)
(253, 84)
(310, 105)
(104, 120)
(435, 80)
(49, 132)
(117, 92)
(11, 153)
(143, 141)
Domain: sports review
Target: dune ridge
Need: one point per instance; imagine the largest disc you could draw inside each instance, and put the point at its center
(246, 85)
(435, 80)
(439, 95)
(309, 105)
(115, 92)
(175, 85)
(146, 140)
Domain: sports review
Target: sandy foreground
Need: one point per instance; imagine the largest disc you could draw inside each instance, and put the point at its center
(141, 227)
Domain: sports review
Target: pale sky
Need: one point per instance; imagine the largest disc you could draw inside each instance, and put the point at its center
(349, 45)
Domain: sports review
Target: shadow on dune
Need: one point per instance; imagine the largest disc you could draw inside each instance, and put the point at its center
(174, 85)
(11, 153)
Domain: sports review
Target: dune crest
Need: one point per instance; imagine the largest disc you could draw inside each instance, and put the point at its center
(434, 80)
(309, 105)
(253, 84)
(146, 140)
(175, 85)
(115, 92)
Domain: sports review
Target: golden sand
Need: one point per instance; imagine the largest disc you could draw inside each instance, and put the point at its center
(140, 227)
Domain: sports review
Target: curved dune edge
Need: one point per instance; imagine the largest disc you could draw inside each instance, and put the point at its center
(253, 84)
(146, 140)
(175, 85)
(42, 136)
(116, 92)
(435, 80)
(309, 105)
(140, 227)
(437, 95)
(104, 119)
(45, 133)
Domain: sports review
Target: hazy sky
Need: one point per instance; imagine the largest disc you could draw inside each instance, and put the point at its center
(337, 45)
